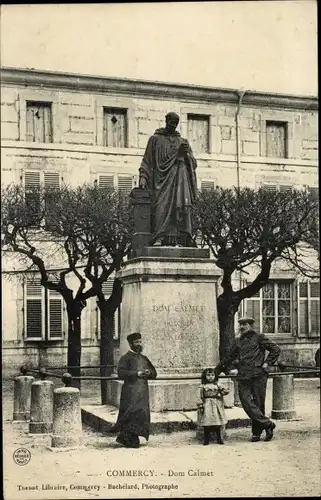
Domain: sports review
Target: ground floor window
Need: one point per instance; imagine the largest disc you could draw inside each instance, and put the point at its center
(43, 312)
(286, 307)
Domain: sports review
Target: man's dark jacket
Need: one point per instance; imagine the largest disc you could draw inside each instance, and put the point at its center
(248, 351)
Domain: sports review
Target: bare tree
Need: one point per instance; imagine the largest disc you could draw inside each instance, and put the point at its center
(252, 227)
(81, 228)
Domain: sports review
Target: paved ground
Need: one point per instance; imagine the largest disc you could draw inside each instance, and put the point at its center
(289, 465)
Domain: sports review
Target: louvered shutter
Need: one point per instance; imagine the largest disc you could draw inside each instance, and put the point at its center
(32, 196)
(51, 184)
(106, 181)
(284, 188)
(125, 183)
(107, 289)
(303, 310)
(34, 310)
(55, 315)
(269, 187)
(206, 185)
(198, 133)
(315, 308)
(115, 127)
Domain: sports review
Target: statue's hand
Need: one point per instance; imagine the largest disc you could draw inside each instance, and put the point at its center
(143, 183)
(183, 148)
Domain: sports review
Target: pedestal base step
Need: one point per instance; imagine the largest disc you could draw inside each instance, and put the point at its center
(102, 418)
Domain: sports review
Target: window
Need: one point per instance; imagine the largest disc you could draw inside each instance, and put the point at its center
(282, 188)
(309, 309)
(272, 307)
(198, 132)
(124, 183)
(115, 127)
(206, 185)
(276, 139)
(43, 312)
(33, 183)
(314, 191)
(39, 122)
(107, 289)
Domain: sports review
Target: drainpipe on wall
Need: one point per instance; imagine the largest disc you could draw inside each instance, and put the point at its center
(240, 94)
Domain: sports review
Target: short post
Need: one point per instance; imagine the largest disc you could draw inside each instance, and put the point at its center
(141, 203)
(237, 401)
(229, 398)
(41, 410)
(22, 396)
(283, 397)
(67, 429)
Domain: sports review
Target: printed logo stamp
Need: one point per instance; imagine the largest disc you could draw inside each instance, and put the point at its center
(22, 456)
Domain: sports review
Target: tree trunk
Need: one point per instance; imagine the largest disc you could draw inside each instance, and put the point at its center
(106, 351)
(227, 306)
(74, 347)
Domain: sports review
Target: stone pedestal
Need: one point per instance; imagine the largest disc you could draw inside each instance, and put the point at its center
(171, 301)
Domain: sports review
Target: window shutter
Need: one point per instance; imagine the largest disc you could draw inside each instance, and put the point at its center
(314, 191)
(315, 308)
(51, 184)
(284, 188)
(206, 185)
(34, 312)
(32, 196)
(39, 122)
(269, 187)
(115, 127)
(106, 181)
(55, 316)
(198, 133)
(125, 183)
(276, 139)
(107, 289)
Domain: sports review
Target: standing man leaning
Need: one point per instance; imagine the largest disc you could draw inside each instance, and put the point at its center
(134, 414)
(249, 352)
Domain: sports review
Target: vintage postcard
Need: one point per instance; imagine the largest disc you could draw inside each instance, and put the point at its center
(160, 250)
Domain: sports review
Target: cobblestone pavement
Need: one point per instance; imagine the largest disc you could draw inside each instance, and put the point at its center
(289, 465)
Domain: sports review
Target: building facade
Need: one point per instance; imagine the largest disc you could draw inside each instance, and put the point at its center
(58, 127)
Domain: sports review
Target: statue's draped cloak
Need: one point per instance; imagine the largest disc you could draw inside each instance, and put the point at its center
(172, 181)
(134, 411)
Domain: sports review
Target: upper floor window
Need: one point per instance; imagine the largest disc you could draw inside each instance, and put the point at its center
(33, 182)
(276, 139)
(39, 121)
(283, 188)
(198, 132)
(115, 127)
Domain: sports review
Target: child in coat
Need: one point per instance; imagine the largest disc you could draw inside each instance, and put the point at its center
(211, 414)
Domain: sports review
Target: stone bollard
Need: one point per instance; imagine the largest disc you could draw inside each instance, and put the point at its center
(237, 401)
(41, 410)
(229, 398)
(22, 396)
(67, 429)
(283, 397)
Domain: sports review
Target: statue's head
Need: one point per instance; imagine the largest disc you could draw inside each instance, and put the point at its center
(172, 120)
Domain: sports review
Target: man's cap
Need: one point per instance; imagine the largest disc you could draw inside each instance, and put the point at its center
(133, 336)
(172, 115)
(246, 319)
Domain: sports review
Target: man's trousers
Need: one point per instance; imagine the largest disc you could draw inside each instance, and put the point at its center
(252, 394)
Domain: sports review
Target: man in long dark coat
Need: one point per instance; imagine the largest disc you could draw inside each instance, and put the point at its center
(249, 352)
(168, 171)
(134, 414)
